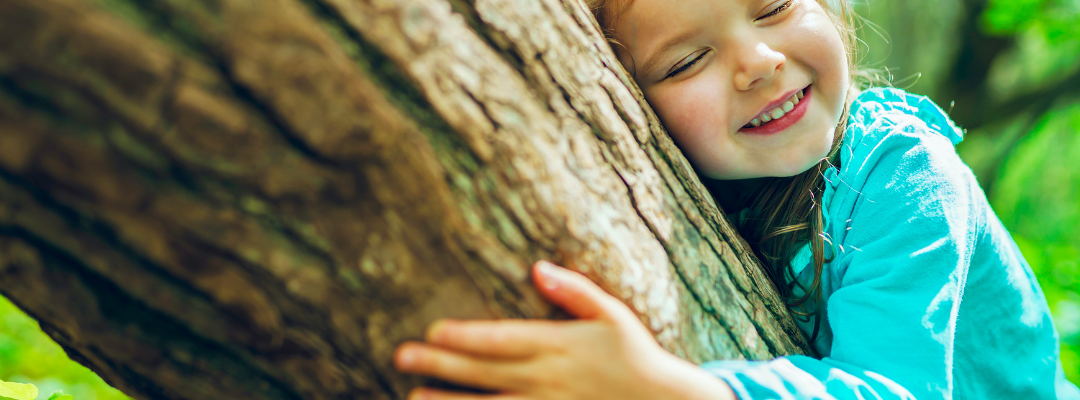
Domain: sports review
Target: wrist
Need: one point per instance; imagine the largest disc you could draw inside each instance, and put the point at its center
(683, 380)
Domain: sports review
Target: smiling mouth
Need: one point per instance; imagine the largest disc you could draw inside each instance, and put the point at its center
(777, 113)
(779, 119)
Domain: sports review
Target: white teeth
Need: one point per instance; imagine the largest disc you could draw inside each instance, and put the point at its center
(778, 112)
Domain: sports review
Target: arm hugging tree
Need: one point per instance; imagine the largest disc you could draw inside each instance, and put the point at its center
(258, 199)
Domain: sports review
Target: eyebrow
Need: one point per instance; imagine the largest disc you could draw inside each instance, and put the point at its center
(653, 59)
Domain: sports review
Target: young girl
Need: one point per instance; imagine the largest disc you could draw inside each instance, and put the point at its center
(866, 219)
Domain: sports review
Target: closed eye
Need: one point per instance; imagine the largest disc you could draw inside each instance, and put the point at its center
(787, 4)
(679, 69)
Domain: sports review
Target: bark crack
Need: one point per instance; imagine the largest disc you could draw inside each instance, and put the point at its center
(181, 176)
(384, 74)
(678, 269)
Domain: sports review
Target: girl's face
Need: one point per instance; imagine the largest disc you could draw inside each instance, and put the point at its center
(712, 69)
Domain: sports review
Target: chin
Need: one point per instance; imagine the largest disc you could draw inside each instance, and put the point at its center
(797, 168)
(804, 162)
(782, 170)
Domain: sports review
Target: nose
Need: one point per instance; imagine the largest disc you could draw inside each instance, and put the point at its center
(756, 65)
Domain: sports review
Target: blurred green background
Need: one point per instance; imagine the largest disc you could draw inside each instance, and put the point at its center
(28, 355)
(1006, 70)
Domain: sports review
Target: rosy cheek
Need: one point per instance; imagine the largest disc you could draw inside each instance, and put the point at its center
(693, 120)
(691, 112)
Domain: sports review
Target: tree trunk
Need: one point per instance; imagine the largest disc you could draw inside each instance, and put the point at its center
(259, 199)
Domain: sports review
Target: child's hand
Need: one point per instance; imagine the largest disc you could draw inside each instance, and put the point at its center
(606, 354)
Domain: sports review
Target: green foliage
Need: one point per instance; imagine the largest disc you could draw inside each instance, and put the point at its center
(1055, 20)
(18, 391)
(1036, 196)
(59, 395)
(28, 355)
(1047, 39)
(1032, 49)
(1037, 189)
(1006, 17)
(27, 391)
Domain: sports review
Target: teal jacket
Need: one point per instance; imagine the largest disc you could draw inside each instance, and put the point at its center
(927, 295)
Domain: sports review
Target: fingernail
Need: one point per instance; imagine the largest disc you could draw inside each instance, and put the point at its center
(406, 358)
(545, 267)
(549, 271)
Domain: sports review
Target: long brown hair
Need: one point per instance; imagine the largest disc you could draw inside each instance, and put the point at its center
(783, 213)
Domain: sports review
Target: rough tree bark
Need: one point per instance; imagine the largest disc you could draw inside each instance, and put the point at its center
(258, 199)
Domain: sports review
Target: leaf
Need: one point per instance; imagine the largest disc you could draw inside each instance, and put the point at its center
(18, 391)
(1006, 17)
(59, 395)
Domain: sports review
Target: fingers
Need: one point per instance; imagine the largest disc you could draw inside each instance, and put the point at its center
(573, 292)
(421, 359)
(423, 393)
(495, 339)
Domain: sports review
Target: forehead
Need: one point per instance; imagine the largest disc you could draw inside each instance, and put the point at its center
(642, 25)
(641, 21)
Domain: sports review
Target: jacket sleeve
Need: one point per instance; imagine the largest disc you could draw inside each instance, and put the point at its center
(902, 252)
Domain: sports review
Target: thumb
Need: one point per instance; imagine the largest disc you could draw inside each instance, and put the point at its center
(573, 292)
